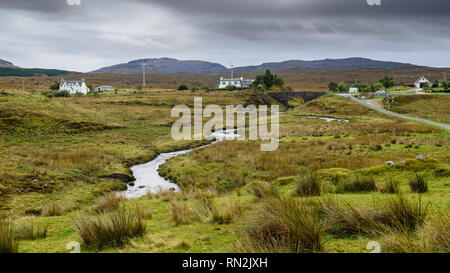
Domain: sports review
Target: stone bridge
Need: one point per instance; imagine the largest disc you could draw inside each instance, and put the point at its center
(284, 97)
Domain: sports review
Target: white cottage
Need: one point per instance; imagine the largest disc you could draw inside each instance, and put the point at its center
(422, 82)
(74, 86)
(238, 82)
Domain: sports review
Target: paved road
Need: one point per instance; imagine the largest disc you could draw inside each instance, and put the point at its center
(370, 105)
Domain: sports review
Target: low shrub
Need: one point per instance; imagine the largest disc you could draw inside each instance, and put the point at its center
(183, 87)
(376, 147)
(56, 94)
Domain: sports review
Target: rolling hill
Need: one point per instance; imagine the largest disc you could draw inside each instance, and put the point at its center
(173, 66)
(163, 66)
(7, 64)
(348, 63)
(30, 72)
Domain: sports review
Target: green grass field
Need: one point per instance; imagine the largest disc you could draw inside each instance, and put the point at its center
(432, 107)
(56, 155)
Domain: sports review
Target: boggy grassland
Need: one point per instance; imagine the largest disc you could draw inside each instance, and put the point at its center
(432, 107)
(326, 189)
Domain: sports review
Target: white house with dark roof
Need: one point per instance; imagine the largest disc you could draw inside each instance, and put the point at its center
(421, 82)
(74, 86)
(238, 82)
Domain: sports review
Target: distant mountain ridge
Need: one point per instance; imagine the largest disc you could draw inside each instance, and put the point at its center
(163, 66)
(174, 66)
(348, 63)
(7, 64)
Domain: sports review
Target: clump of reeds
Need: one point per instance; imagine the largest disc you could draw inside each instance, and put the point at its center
(8, 242)
(281, 225)
(111, 229)
(309, 185)
(418, 184)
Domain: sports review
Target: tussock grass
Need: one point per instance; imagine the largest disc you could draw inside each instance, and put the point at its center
(52, 210)
(418, 184)
(166, 195)
(263, 189)
(345, 218)
(391, 186)
(202, 208)
(398, 213)
(181, 213)
(110, 202)
(404, 213)
(358, 184)
(282, 225)
(433, 237)
(111, 229)
(309, 185)
(225, 212)
(30, 232)
(8, 243)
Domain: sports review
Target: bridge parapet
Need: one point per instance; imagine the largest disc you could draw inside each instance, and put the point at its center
(284, 97)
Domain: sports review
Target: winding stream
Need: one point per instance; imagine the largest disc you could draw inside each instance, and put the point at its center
(147, 175)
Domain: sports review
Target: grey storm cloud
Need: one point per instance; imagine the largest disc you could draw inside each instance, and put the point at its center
(50, 33)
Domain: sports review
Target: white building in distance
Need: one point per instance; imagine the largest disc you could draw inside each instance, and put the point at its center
(422, 82)
(353, 90)
(238, 82)
(74, 86)
(104, 88)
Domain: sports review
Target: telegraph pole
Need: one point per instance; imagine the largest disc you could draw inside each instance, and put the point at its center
(143, 74)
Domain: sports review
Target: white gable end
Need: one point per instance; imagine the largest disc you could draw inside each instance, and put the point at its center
(74, 87)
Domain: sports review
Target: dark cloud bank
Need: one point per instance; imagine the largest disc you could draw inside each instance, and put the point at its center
(50, 33)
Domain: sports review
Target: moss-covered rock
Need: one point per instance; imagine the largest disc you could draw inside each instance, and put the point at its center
(282, 181)
(375, 170)
(334, 175)
(420, 165)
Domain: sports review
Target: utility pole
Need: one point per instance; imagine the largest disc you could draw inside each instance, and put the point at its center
(143, 74)
(23, 84)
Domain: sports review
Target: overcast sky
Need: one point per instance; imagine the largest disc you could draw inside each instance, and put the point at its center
(53, 34)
